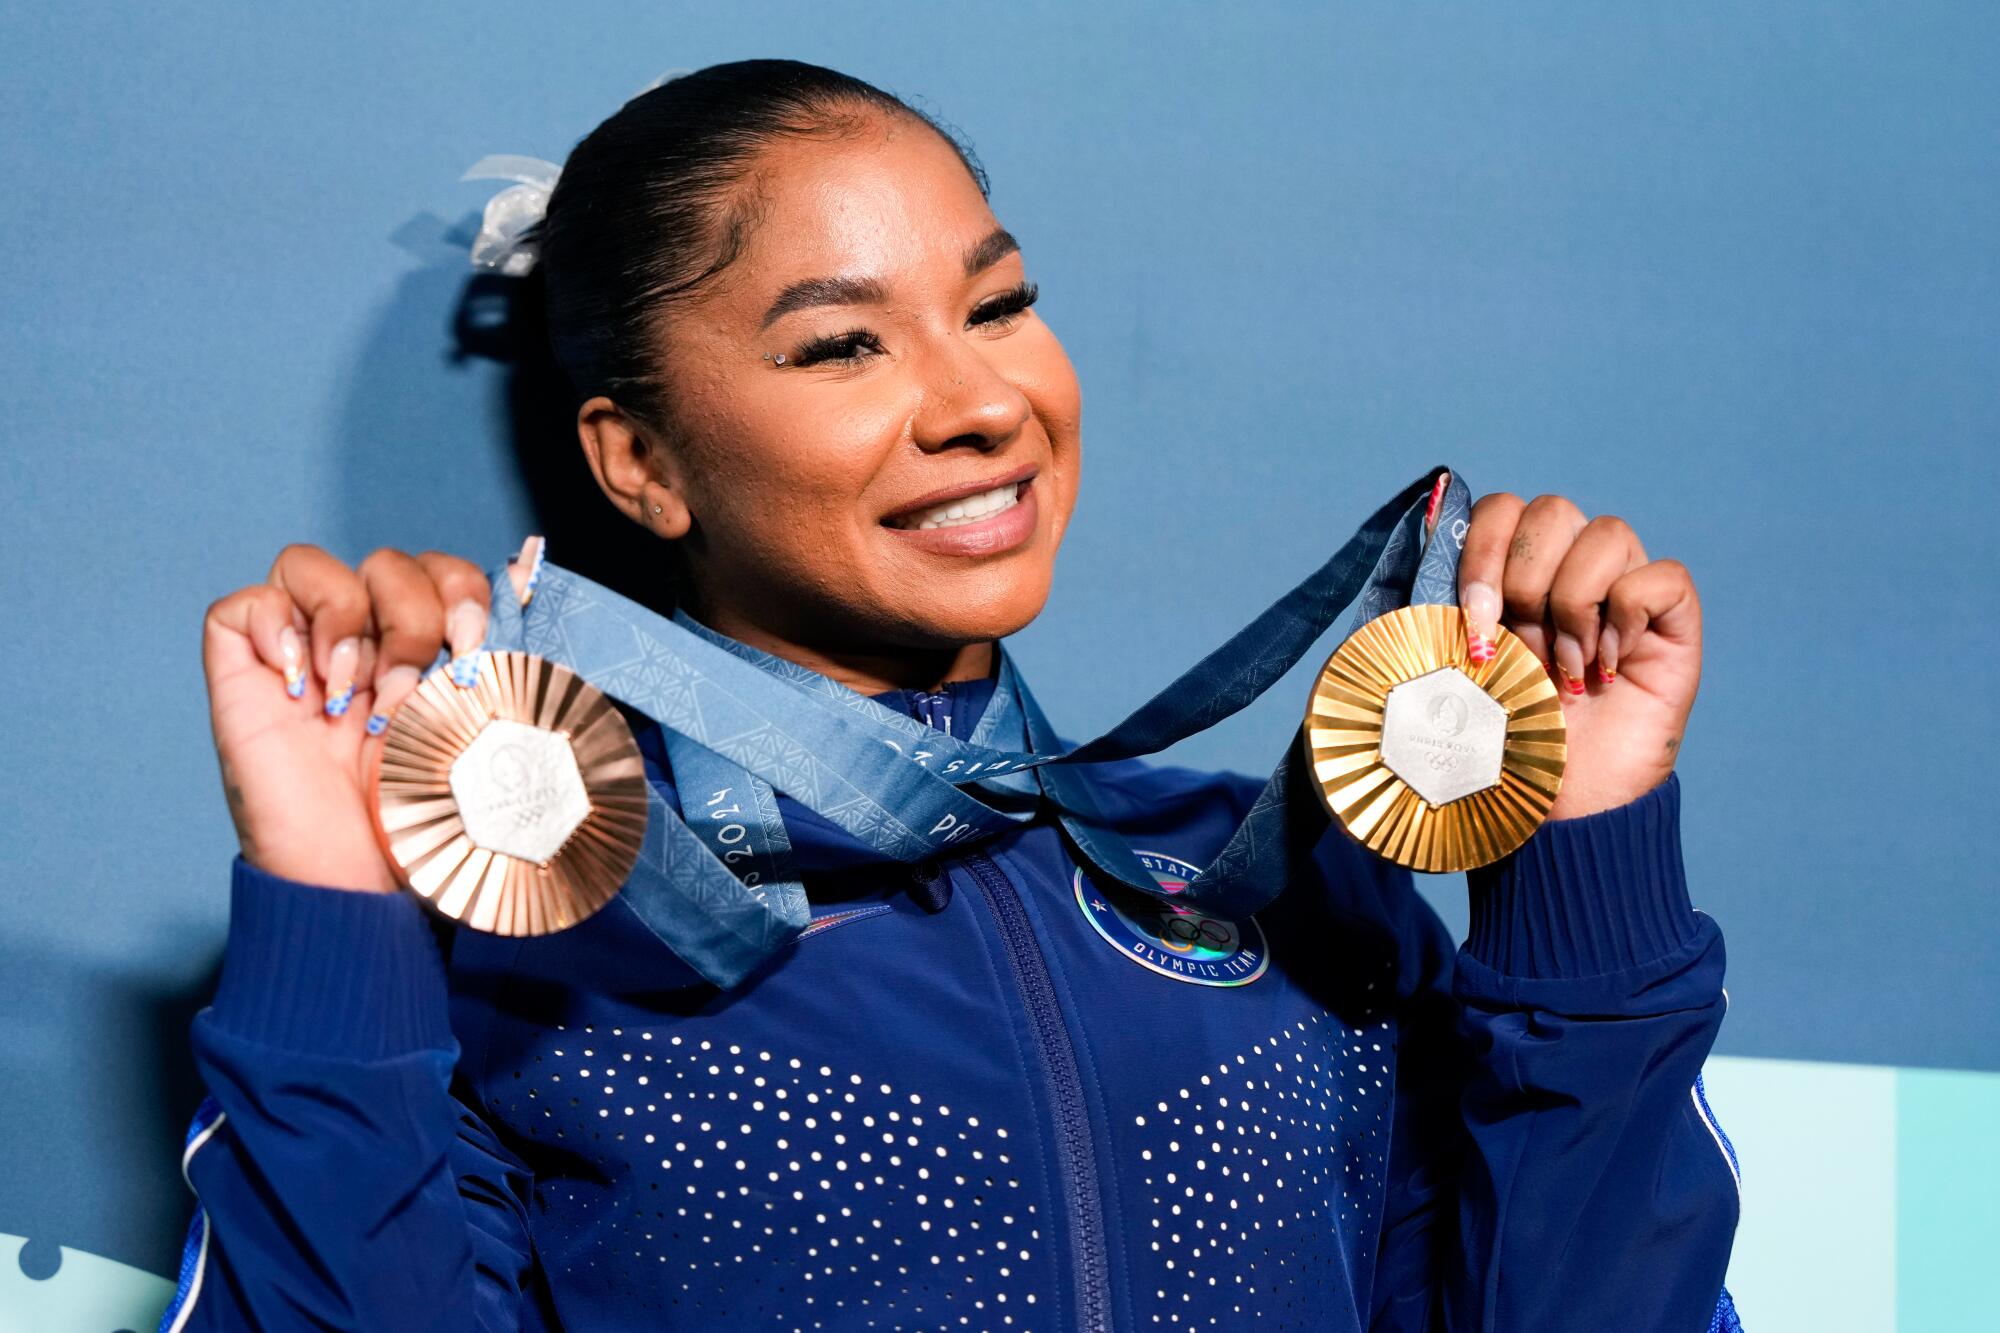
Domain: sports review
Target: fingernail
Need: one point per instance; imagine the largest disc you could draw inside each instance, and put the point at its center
(391, 689)
(540, 549)
(294, 654)
(1568, 666)
(340, 668)
(1607, 654)
(1482, 621)
(465, 629)
(1437, 498)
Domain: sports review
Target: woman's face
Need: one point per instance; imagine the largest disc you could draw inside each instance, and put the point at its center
(868, 360)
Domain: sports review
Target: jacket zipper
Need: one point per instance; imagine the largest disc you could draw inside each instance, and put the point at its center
(1073, 1138)
(1038, 994)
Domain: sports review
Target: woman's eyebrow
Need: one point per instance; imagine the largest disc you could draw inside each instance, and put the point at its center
(996, 247)
(809, 292)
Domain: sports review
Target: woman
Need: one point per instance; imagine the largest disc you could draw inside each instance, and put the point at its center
(806, 359)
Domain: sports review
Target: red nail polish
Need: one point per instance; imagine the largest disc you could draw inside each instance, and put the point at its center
(1437, 498)
(1480, 648)
(1604, 676)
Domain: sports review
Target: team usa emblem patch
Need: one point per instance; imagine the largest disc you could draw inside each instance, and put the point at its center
(1181, 942)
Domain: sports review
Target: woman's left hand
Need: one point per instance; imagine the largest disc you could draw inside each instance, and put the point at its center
(1621, 634)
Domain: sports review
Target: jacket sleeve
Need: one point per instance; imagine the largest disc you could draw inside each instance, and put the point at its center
(340, 1183)
(1554, 1165)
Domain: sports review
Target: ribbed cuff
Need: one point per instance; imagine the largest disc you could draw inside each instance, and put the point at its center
(330, 971)
(1587, 896)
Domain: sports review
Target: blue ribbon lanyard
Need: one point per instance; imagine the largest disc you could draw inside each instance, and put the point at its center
(715, 883)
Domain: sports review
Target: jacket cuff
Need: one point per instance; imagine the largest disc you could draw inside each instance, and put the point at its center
(330, 971)
(1587, 896)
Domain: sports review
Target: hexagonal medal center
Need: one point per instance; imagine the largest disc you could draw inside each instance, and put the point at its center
(518, 790)
(1443, 735)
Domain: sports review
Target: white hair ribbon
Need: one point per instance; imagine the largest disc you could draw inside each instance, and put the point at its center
(509, 214)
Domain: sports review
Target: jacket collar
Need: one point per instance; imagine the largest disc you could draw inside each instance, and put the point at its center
(954, 709)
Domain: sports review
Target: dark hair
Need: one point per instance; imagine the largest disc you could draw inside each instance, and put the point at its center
(647, 209)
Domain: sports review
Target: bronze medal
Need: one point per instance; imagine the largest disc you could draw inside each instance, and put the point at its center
(516, 806)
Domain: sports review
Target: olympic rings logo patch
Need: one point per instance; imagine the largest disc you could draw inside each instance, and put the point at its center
(1175, 940)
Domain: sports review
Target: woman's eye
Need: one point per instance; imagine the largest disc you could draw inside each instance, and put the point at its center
(1002, 310)
(855, 345)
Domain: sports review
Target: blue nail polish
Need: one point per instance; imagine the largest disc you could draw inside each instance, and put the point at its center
(534, 573)
(295, 682)
(336, 703)
(465, 671)
(376, 723)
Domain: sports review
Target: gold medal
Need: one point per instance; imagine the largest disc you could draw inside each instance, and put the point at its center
(1427, 758)
(516, 806)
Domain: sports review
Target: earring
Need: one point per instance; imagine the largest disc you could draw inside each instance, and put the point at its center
(656, 509)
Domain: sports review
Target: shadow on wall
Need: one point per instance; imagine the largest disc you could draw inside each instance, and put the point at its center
(496, 319)
(439, 453)
(436, 452)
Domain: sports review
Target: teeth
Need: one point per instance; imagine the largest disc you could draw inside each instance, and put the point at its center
(970, 509)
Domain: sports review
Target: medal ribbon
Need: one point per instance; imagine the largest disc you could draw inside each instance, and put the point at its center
(715, 881)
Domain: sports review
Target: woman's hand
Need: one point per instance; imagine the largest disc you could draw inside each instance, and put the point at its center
(303, 672)
(1621, 635)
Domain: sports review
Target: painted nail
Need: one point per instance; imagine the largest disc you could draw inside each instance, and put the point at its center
(294, 654)
(465, 629)
(1437, 498)
(391, 688)
(1567, 686)
(1567, 664)
(1482, 621)
(340, 668)
(540, 548)
(1569, 656)
(1607, 654)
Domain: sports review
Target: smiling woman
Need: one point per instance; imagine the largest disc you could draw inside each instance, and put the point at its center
(1028, 1083)
(822, 333)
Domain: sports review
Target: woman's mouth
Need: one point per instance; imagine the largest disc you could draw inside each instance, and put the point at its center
(956, 513)
(986, 522)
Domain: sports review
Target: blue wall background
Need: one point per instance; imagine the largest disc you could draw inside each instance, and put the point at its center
(1726, 269)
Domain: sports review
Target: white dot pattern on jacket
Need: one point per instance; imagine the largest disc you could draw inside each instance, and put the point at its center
(763, 1179)
(1256, 1171)
(720, 1184)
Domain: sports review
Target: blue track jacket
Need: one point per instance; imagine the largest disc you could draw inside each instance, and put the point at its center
(984, 1094)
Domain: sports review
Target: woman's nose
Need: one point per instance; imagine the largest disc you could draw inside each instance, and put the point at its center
(967, 401)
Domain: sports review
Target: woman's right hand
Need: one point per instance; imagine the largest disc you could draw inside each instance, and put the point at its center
(304, 671)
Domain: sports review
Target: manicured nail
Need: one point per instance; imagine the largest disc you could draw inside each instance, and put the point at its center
(1568, 666)
(1607, 655)
(1482, 621)
(1437, 498)
(294, 654)
(533, 550)
(341, 665)
(393, 686)
(465, 629)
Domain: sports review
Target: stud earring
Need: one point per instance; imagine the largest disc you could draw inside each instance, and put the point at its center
(656, 509)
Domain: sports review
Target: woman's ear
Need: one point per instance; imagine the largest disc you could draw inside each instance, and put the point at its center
(640, 477)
